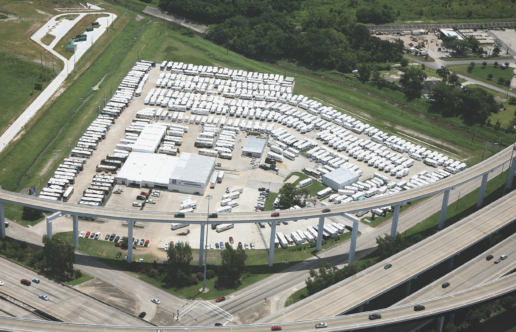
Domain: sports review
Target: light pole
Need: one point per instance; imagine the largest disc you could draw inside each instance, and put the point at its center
(209, 197)
(269, 186)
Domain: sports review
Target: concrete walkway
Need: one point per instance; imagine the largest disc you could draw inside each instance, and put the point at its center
(58, 28)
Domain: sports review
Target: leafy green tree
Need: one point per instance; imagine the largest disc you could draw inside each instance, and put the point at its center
(423, 66)
(232, 267)
(495, 64)
(292, 195)
(125, 243)
(470, 69)
(404, 62)
(31, 214)
(473, 317)
(178, 266)
(450, 327)
(472, 64)
(496, 51)
(364, 73)
(507, 302)
(445, 99)
(58, 257)
(484, 64)
(497, 125)
(387, 246)
(501, 80)
(490, 76)
(476, 105)
(412, 81)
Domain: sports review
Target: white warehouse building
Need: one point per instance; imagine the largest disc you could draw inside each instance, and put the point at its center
(340, 178)
(254, 147)
(189, 173)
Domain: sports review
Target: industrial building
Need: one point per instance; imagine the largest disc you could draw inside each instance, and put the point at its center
(340, 178)
(150, 138)
(254, 147)
(189, 173)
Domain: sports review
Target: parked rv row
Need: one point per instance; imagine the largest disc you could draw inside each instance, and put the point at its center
(98, 190)
(215, 144)
(310, 235)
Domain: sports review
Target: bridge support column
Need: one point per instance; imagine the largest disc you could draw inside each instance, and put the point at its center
(444, 207)
(440, 323)
(510, 176)
(49, 228)
(361, 308)
(452, 317)
(2, 221)
(319, 234)
(201, 246)
(75, 231)
(130, 241)
(395, 217)
(272, 243)
(450, 264)
(407, 287)
(482, 190)
(354, 235)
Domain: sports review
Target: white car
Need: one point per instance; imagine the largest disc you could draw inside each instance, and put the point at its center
(151, 201)
(44, 297)
(211, 245)
(1, 283)
(155, 301)
(136, 204)
(252, 246)
(82, 234)
(246, 246)
(166, 246)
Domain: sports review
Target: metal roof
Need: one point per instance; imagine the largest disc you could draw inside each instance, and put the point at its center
(192, 168)
(253, 144)
(341, 175)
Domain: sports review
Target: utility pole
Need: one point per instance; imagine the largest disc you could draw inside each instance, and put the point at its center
(53, 62)
(474, 134)
(483, 154)
(41, 54)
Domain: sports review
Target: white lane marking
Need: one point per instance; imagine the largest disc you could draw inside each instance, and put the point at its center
(225, 323)
(217, 310)
(188, 309)
(101, 314)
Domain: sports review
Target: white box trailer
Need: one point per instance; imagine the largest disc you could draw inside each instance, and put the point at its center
(175, 226)
(224, 227)
(305, 183)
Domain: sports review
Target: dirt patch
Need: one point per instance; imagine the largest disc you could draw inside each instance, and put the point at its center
(164, 318)
(139, 17)
(254, 313)
(48, 165)
(111, 295)
(42, 12)
(292, 179)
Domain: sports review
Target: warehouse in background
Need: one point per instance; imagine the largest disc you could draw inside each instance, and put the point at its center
(189, 173)
(340, 178)
(254, 147)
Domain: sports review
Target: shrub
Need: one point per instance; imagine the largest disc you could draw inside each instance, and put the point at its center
(470, 69)
(78, 274)
(153, 273)
(200, 276)
(187, 32)
(495, 64)
(501, 80)
(490, 76)
(210, 274)
(31, 214)
(484, 64)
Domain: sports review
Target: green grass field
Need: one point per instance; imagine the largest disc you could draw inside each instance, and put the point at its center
(269, 201)
(256, 264)
(48, 39)
(315, 187)
(480, 73)
(85, 277)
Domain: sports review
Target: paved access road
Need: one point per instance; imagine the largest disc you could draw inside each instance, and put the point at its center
(475, 272)
(65, 303)
(407, 27)
(376, 280)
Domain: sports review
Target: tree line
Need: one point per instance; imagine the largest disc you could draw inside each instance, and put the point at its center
(266, 30)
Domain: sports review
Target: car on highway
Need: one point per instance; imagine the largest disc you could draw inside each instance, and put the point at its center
(375, 316)
(503, 257)
(326, 210)
(142, 314)
(82, 234)
(213, 215)
(320, 325)
(497, 261)
(231, 240)
(156, 301)
(166, 246)
(216, 245)
(142, 241)
(220, 299)
(419, 307)
(87, 235)
(446, 284)
(275, 214)
(106, 238)
(136, 204)
(276, 328)
(119, 254)
(44, 297)
(489, 257)
(36, 280)
(1, 283)
(151, 201)
(221, 245)
(179, 215)
(147, 243)
(218, 324)
(25, 282)
(388, 266)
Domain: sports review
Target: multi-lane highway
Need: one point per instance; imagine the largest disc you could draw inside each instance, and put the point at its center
(475, 272)
(65, 304)
(376, 280)
(393, 315)
(246, 217)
